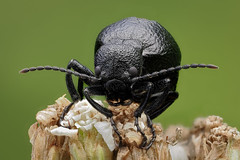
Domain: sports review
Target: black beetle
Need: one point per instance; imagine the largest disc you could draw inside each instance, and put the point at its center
(135, 60)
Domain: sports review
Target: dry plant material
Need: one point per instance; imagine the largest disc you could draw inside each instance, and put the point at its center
(208, 139)
(89, 135)
(213, 139)
(51, 142)
(124, 118)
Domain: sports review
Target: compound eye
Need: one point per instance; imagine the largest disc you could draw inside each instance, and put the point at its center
(133, 71)
(97, 71)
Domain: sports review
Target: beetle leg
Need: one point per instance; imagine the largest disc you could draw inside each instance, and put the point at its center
(95, 91)
(64, 112)
(76, 66)
(113, 124)
(150, 125)
(154, 106)
(92, 91)
(161, 104)
(139, 111)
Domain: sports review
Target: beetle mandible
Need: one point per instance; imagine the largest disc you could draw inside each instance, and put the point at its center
(136, 60)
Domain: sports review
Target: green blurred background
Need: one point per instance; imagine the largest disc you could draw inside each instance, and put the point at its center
(51, 32)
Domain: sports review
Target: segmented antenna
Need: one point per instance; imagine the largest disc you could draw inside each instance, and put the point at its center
(172, 69)
(54, 68)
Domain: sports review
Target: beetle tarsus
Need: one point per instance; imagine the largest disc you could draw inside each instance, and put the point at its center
(140, 109)
(64, 112)
(144, 138)
(113, 124)
(150, 125)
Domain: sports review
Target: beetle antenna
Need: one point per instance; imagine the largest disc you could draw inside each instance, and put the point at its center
(172, 69)
(54, 68)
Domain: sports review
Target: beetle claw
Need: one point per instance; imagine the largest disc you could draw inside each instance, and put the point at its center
(144, 142)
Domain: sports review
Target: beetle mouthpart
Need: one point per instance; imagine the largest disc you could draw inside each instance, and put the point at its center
(115, 86)
(119, 102)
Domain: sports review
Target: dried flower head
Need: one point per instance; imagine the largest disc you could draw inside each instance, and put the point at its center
(87, 134)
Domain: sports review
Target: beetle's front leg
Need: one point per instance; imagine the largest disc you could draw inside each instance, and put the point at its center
(98, 90)
(140, 109)
(157, 107)
(159, 104)
(76, 66)
(88, 92)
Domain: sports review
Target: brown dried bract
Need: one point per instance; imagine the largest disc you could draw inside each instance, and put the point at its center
(44, 144)
(124, 118)
(211, 138)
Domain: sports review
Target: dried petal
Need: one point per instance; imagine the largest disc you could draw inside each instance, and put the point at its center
(105, 129)
(61, 131)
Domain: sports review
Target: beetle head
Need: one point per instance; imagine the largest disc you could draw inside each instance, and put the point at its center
(116, 65)
(120, 62)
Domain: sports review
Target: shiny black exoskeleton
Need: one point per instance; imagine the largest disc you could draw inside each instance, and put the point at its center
(135, 60)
